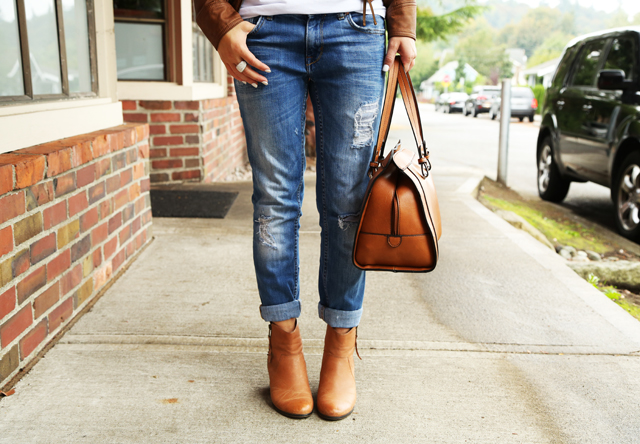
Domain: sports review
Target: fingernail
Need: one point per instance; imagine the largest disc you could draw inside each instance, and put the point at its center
(244, 82)
(385, 68)
(267, 70)
(265, 83)
(255, 85)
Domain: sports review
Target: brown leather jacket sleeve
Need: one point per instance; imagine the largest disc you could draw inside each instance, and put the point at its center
(217, 17)
(401, 18)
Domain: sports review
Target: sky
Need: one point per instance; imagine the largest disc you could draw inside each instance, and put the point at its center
(632, 7)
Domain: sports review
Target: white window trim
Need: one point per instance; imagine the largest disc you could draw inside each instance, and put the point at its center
(189, 90)
(26, 124)
(169, 91)
(25, 130)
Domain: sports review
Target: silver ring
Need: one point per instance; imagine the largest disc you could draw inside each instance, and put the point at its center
(241, 66)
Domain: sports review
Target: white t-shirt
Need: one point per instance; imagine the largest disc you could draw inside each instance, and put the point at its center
(253, 8)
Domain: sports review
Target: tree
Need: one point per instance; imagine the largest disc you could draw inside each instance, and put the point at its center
(619, 19)
(550, 49)
(478, 47)
(431, 27)
(534, 28)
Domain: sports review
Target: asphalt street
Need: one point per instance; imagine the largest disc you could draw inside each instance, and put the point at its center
(473, 142)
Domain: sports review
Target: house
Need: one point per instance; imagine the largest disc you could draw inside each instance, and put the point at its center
(542, 74)
(428, 89)
(99, 99)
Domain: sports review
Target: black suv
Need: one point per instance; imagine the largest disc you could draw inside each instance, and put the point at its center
(591, 123)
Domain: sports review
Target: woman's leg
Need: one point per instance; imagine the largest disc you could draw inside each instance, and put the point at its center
(346, 90)
(274, 120)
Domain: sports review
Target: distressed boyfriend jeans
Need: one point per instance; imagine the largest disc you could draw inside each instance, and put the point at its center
(338, 61)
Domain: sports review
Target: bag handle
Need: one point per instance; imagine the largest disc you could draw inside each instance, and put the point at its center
(397, 76)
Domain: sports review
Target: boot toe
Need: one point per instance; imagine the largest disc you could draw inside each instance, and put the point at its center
(294, 407)
(336, 409)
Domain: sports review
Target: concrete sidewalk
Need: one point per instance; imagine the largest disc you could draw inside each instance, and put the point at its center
(501, 344)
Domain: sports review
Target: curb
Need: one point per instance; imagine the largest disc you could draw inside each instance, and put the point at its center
(605, 307)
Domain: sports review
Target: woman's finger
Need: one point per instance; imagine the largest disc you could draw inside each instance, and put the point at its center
(233, 71)
(254, 76)
(253, 60)
(407, 62)
(394, 44)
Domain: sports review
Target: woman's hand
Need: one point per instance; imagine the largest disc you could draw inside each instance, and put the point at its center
(404, 46)
(233, 50)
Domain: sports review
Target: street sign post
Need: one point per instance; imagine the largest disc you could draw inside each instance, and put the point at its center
(446, 81)
(505, 120)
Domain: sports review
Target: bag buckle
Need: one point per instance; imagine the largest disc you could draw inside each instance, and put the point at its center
(425, 165)
(373, 167)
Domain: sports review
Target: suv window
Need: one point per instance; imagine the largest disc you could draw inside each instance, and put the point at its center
(589, 60)
(622, 56)
(563, 67)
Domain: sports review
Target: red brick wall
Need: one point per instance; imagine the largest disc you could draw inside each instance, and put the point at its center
(200, 140)
(72, 212)
(224, 147)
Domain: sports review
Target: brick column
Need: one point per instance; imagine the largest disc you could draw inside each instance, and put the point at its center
(200, 140)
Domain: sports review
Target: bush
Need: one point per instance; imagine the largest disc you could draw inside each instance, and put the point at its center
(539, 92)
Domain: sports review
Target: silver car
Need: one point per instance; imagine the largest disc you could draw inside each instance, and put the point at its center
(523, 104)
(454, 102)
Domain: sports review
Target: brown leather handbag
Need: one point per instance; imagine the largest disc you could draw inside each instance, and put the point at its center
(400, 218)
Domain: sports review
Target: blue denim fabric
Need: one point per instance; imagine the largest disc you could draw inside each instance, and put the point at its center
(338, 62)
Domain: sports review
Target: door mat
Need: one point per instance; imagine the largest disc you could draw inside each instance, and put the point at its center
(191, 203)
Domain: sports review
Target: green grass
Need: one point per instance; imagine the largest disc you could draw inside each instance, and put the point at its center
(611, 292)
(563, 233)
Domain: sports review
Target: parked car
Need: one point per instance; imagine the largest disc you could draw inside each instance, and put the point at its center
(590, 127)
(523, 104)
(481, 99)
(440, 102)
(454, 102)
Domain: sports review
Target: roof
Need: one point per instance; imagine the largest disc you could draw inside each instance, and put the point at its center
(543, 68)
(450, 70)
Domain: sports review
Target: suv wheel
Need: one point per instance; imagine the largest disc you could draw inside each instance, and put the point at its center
(474, 113)
(532, 117)
(551, 185)
(627, 197)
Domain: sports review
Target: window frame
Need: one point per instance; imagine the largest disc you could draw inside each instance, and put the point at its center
(172, 73)
(183, 86)
(633, 36)
(28, 97)
(570, 55)
(607, 39)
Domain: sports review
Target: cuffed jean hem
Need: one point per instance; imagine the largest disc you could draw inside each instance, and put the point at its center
(339, 318)
(280, 312)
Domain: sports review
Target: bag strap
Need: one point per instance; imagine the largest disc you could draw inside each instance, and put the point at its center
(396, 77)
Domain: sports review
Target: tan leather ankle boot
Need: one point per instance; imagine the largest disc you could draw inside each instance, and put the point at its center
(288, 381)
(337, 389)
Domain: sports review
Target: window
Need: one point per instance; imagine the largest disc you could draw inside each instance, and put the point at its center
(622, 55)
(589, 61)
(47, 50)
(202, 53)
(563, 68)
(140, 27)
